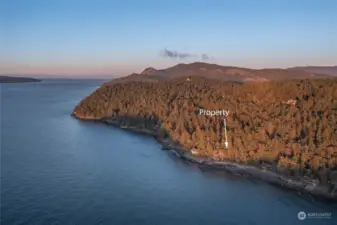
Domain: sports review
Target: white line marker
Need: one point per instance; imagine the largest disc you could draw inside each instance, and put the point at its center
(226, 143)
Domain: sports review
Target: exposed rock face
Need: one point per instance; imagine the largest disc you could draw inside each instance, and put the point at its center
(82, 116)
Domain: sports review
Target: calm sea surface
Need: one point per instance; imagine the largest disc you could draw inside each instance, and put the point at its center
(58, 170)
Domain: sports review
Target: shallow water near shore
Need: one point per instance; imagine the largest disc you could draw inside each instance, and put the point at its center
(59, 170)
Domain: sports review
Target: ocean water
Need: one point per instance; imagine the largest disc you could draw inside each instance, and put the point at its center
(58, 170)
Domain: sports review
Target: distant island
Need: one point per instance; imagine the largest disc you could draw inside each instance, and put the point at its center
(9, 79)
(219, 72)
(281, 126)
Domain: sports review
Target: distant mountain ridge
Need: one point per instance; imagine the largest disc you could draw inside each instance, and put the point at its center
(214, 71)
(328, 70)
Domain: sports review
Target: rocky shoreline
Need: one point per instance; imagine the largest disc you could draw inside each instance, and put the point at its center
(301, 185)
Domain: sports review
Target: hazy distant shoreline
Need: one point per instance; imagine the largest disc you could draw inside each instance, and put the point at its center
(8, 79)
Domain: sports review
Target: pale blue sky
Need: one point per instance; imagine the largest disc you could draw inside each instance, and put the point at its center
(100, 38)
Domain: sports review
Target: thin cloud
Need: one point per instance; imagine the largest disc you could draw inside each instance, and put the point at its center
(206, 57)
(176, 54)
(183, 55)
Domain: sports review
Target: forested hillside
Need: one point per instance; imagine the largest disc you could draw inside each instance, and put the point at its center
(290, 125)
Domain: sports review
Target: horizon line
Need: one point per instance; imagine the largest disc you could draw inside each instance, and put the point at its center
(112, 75)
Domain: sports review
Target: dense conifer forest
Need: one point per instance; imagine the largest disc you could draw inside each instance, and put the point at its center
(289, 125)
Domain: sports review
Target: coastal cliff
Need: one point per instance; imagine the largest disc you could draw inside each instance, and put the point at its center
(282, 132)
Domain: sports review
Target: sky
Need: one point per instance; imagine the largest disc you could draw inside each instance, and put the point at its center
(108, 38)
